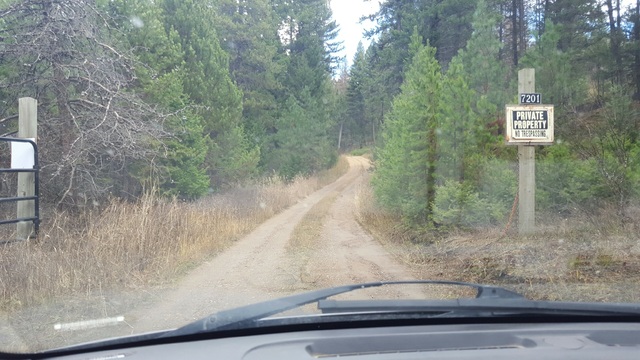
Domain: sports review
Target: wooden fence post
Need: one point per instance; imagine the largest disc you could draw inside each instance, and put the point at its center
(27, 128)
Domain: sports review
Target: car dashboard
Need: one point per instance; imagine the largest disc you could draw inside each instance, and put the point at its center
(460, 341)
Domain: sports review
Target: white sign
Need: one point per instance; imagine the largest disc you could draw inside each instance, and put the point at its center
(529, 124)
(22, 155)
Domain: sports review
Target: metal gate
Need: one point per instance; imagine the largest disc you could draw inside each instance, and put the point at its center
(36, 198)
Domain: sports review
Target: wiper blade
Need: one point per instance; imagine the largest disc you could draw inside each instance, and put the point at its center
(477, 307)
(248, 316)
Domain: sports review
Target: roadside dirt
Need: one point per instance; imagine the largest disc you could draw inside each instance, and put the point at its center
(258, 267)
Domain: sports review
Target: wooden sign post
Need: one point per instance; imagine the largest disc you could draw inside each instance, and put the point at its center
(528, 124)
(527, 165)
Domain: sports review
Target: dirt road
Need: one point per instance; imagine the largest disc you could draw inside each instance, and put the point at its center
(261, 266)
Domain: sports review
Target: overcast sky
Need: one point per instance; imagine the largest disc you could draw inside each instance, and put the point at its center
(347, 14)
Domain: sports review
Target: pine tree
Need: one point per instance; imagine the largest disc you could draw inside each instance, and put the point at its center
(181, 171)
(557, 76)
(458, 128)
(405, 180)
(209, 86)
(486, 74)
(249, 34)
(308, 37)
(357, 123)
(491, 78)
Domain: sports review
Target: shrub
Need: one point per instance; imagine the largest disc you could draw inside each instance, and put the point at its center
(457, 204)
(565, 182)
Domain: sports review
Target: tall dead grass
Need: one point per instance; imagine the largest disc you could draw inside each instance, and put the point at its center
(130, 245)
(586, 257)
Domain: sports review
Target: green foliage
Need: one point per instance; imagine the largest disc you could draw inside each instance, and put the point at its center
(446, 25)
(185, 175)
(557, 77)
(181, 172)
(405, 176)
(357, 126)
(303, 135)
(498, 182)
(209, 85)
(579, 21)
(458, 205)
(222, 90)
(300, 145)
(460, 130)
(361, 151)
(186, 73)
(485, 72)
(565, 182)
(249, 33)
(615, 142)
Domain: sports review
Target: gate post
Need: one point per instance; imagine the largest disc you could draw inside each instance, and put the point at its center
(27, 128)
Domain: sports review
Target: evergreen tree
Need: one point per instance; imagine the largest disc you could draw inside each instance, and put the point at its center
(458, 145)
(357, 122)
(209, 86)
(70, 57)
(491, 78)
(486, 74)
(405, 180)
(249, 34)
(308, 37)
(181, 171)
(376, 96)
(558, 77)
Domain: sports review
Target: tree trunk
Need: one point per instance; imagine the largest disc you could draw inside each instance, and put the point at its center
(636, 37)
(501, 31)
(523, 27)
(514, 31)
(614, 29)
(432, 157)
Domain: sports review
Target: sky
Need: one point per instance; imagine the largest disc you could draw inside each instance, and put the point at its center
(347, 14)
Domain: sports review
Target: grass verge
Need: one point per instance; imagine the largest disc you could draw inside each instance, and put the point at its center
(595, 258)
(131, 245)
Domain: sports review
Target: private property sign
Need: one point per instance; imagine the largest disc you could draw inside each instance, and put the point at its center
(529, 124)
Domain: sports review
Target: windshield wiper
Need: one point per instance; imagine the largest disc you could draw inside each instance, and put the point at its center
(479, 307)
(248, 316)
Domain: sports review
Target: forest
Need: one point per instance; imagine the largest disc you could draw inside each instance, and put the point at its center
(195, 96)
(436, 81)
(189, 96)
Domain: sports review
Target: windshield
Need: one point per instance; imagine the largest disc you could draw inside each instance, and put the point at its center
(185, 157)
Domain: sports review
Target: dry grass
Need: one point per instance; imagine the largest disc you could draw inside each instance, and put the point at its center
(306, 235)
(130, 245)
(583, 258)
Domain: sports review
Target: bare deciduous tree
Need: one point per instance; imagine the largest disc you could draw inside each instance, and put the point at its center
(92, 126)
